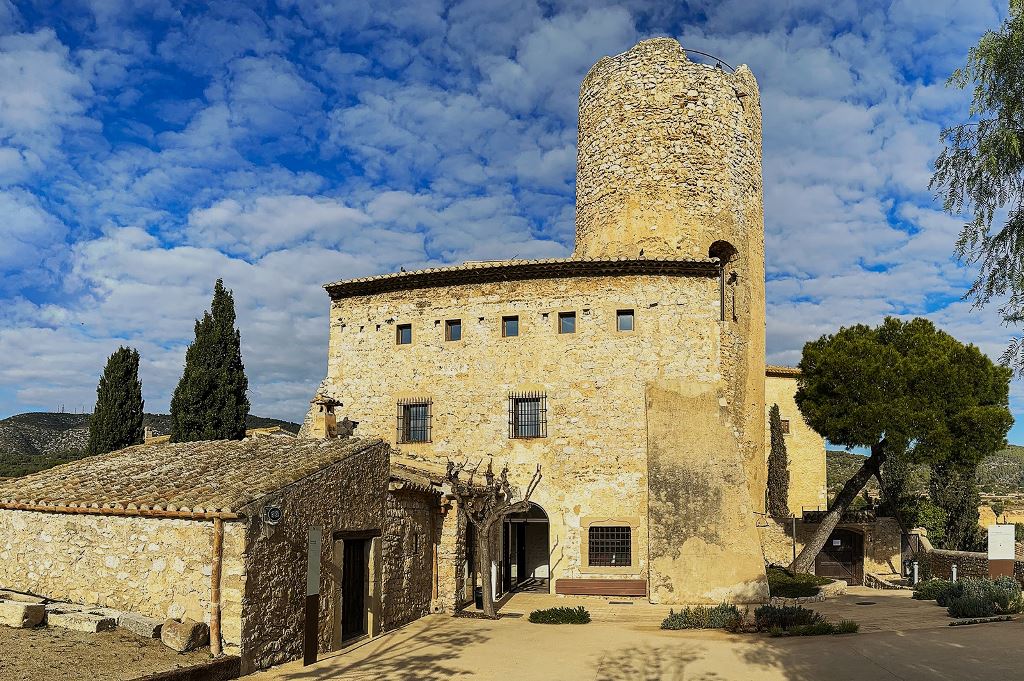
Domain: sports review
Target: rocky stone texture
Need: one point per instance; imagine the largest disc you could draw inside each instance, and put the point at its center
(804, 447)
(140, 625)
(20, 614)
(154, 567)
(184, 635)
(80, 621)
(407, 545)
(882, 544)
(20, 597)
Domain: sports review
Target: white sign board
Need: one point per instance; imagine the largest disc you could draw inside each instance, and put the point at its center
(1000, 542)
(313, 561)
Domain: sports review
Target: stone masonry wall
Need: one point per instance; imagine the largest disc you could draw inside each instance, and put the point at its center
(452, 589)
(805, 448)
(594, 457)
(348, 496)
(882, 543)
(159, 567)
(410, 534)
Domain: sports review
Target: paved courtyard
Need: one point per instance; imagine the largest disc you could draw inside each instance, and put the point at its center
(901, 639)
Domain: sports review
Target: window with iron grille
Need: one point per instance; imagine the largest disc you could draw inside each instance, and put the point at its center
(785, 426)
(414, 420)
(527, 415)
(609, 546)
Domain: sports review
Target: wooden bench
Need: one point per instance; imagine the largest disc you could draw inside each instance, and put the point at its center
(601, 587)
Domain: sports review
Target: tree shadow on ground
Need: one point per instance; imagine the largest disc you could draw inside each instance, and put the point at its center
(650, 663)
(419, 654)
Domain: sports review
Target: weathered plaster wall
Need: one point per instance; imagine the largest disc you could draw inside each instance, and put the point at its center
(348, 496)
(159, 567)
(594, 458)
(669, 161)
(452, 586)
(882, 544)
(407, 547)
(804, 447)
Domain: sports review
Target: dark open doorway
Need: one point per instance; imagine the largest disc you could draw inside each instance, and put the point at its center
(355, 569)
(842, 557)
(525, 555)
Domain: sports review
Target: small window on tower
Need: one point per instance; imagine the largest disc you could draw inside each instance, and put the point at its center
(785, 426)
(566, 322)
(403, 334)
(509, 326)
(453, 330)
(624, 320)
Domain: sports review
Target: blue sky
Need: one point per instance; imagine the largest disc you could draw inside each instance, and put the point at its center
(149, 147)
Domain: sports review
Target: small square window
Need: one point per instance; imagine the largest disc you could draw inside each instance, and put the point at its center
(403, 334)
(414, 420)
(453, 330)
(566, 322)
(785, 426)
(509, 326)
(610, 546)
(624, 320)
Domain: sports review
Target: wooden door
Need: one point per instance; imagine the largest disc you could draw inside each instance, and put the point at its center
(353, 589)
(842, 557)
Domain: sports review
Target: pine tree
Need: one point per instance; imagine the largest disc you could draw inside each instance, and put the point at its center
(116, 420)
(210, 401)
(778, 468)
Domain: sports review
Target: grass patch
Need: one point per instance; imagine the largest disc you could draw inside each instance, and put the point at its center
(789, 585)
(562, 615)
(722, 616)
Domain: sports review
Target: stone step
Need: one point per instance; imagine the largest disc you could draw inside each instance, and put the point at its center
(21, 615)
(185, 635)
(6, 595)
(80, 621)
(140, 625)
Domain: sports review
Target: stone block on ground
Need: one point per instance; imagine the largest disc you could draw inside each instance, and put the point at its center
(80, 621)
(59, 606)
(836, 588)
(140, 625)
(21, 615)
(185, 635)
(6, 595)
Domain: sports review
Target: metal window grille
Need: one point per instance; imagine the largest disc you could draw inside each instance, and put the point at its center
(610, 546)
(527, 415)
(785, 426)
(414, 420)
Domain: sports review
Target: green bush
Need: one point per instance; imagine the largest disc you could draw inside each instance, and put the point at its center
(933, 589)
(982, 597)
(822, 628)
(847, 627)
(784, 617)
(971, 606)
(561, 616)
(722, 616)
(788, 585)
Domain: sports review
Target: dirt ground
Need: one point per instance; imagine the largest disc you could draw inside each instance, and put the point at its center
(54, 654)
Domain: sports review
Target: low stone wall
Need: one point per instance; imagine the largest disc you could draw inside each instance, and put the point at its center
(969, 564)
(882, 547)
(158, 567)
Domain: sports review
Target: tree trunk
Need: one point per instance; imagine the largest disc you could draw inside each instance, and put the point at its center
(483, 552)
(895, 511)
(804, 562)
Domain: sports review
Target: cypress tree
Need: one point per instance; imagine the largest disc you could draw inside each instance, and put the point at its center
(116, 420)
(778, 468)
(210, 401)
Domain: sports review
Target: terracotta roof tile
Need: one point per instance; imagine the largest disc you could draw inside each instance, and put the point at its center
(785, 372)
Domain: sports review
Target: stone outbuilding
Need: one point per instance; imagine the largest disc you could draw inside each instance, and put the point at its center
(217, 532)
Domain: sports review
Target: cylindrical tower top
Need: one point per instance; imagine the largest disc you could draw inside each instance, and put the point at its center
(669, 157)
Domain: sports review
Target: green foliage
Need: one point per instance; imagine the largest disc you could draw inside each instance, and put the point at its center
(561, 615)
(982, 620)
(952, 488)
(722, 616)
(847, 627)
(980, 597)
(1018, 532)
(785, 617)
(933, 519)
(981, 170)
(116, 421)
(933, 589)
(998, 508)
(210, 401)
(778, 467)
(787, 585)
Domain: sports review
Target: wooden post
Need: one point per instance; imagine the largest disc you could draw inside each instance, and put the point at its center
(215, 572)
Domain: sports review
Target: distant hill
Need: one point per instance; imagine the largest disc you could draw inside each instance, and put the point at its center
(38, 440)
(1001, 473)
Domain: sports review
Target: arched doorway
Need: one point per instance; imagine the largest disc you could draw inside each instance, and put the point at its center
(525, 556)
(842, 557)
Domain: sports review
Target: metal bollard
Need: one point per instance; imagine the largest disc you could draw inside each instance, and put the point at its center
(954, 572)
(915, 573)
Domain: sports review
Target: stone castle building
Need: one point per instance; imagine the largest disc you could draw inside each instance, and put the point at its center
(633, 372)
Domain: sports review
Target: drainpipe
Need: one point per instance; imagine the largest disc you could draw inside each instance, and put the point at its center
(218, 553)
(721, 289)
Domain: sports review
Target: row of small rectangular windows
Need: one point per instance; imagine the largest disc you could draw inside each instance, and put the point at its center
(527, 417)
(510, 326)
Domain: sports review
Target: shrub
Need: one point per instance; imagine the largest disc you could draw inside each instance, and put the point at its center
(788, 585)
(982, 597)
(722, 616)
(561, 616)
(784, 617)
(933, 589)
(970, 606)
(847, 627)
(822, 628)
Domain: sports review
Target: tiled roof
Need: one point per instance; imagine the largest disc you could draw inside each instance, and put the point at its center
(785, 372)
(186, 479)
(505, 270)
(417, 475)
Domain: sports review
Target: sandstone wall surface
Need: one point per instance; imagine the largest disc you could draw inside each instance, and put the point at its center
(158, 567)
(805, 448)
(882, 543)
(594, 457)
(407, 547)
